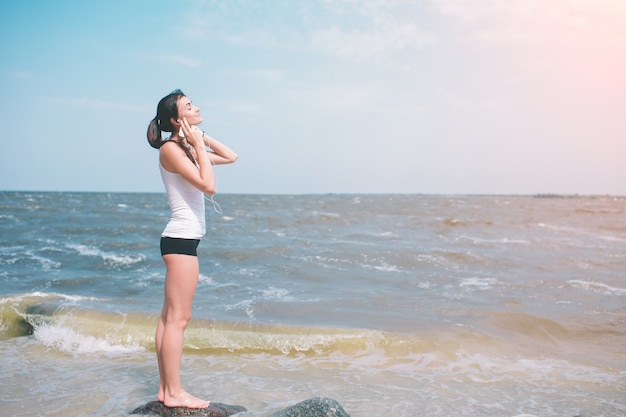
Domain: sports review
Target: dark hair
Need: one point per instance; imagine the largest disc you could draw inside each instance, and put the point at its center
(166, 110)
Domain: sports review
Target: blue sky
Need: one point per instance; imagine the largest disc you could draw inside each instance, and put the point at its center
(334, 96)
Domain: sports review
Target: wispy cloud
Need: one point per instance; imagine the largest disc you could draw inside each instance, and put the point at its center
(347, 29)
(535, 21)
(386, 36)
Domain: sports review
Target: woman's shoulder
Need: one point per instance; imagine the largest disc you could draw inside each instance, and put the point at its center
(168, 143)
(169, 153)
(171, 147)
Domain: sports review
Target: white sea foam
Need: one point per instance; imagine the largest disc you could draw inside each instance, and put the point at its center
(203, 279)
(46, 263)
(14, 254)
(477, 282)
(67, 340)
(383, 267)
(247, 306)
(111, 258)
(597, 287)
(18, 298)
(610, 238)
(277, 294)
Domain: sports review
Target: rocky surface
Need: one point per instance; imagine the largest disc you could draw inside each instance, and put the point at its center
(157, 408)
(315, 407)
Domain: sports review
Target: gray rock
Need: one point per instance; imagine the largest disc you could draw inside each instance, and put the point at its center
(315, 407)
(214, 410)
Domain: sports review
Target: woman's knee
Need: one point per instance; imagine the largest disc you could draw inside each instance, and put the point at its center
(179, 319)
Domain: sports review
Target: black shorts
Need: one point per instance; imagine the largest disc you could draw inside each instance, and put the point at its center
(179, 246)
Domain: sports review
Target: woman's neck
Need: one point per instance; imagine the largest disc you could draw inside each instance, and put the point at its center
(177, 137)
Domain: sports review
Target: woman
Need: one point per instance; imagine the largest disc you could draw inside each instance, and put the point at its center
(187, 172)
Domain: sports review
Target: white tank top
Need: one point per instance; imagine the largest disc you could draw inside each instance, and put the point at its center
(187, 206)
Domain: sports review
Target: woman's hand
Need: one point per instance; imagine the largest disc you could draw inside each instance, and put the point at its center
(218, 154)
(199, 174)
(192, 134)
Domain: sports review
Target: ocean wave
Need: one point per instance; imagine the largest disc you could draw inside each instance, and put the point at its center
(14, 310)
(280, 294)
(10, 255)
(482, 368)
(597, 287)
(38, 297)
(247, 306)
(458, 353)
(66, 340)
(42, 314)
(53, 320)
(481, 283)
(111, 259)
(75, 330)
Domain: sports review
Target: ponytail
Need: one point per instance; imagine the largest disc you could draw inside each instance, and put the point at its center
(154, 134)
(166, 109)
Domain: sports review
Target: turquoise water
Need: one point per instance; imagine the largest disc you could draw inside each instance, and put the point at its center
(390, 304)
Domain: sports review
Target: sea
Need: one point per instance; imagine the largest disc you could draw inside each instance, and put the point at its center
(392, 305)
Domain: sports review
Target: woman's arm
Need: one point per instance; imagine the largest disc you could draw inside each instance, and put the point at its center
(221, 154)
(174, 159)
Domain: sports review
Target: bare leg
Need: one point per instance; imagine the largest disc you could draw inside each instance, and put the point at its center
(158, 337)
(181, 280)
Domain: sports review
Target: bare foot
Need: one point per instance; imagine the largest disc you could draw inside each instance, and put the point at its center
(161, 395)
(184, 399)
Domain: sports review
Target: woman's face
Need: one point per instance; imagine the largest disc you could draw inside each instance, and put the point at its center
(187, 110)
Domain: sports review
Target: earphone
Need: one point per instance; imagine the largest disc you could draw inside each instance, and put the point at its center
(216, 207)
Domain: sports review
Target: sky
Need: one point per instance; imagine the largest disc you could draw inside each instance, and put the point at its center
(321, 96)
